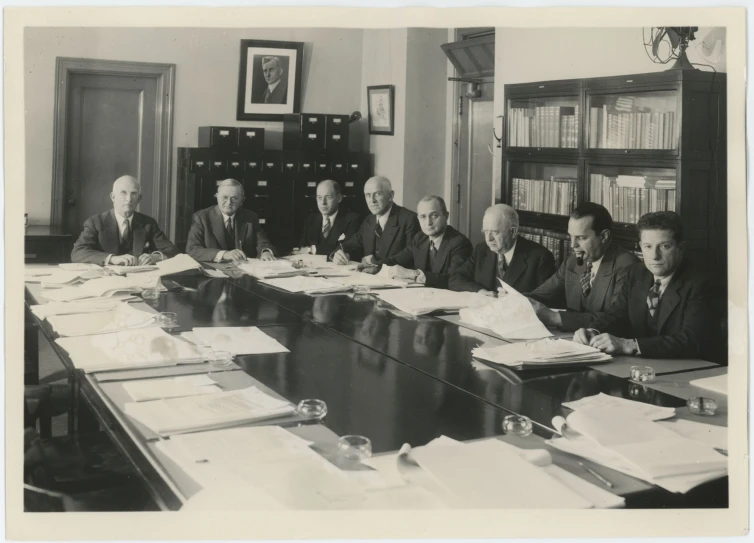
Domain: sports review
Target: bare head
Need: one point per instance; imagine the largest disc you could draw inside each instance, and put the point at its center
(500, 227)
(328, 197)
(126, 195)
(433, 215)
(230, 196)
(272, 69)
(378, 192)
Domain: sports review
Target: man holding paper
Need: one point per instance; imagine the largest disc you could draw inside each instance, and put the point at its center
(503, 256)
(662, 310)
(227, 232)
(435, 252)
(324, 230)
(122, 236)
(590, 279)
(384, 233)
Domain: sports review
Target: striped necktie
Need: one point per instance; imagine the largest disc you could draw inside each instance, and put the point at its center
(586, 280)
(125, 237)
(432, 253)
(229, 233)
(653, 298)
(326, 227)
(502, 266)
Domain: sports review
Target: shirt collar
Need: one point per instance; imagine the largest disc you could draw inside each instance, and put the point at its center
(226, 217)
(596, 265)
(437, 241)
(509, 254)
(272, 87)
(120, 218)
(332, 218)
(664, 281)
(385, 217)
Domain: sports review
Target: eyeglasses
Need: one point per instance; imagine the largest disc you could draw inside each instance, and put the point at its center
(231, 199)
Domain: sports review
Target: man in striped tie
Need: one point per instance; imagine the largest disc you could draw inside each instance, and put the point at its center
(663, 310)
(322, 230)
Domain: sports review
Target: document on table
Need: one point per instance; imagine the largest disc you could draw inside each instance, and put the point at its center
(306, 284)
(79, 266)
(718, 383)
(102, 287)
(510, 316)
(368, 280)
(172, 387)
(44, 311)
(262, 269)
(179, 263)
(124, 270)
(541, 353)
(147, 347)
(208, 411)
(57, 277)
(420, 301)
(238, 340)
(122, 317)
(714, 436)
(605, 401)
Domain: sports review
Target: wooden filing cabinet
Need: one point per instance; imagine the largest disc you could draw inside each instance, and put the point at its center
(45, 244)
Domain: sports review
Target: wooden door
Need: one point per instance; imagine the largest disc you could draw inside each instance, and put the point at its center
(112, 119)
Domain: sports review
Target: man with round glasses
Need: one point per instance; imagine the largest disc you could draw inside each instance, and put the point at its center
(323, 230)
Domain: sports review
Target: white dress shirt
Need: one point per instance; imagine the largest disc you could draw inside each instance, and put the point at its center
(595, 267)
(313, 248)
(383, 219)
(120, 220)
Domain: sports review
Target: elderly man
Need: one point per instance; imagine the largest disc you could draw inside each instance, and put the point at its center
(323, 230)
(121, 235)
(226, 232)
(662, 310)
(435, 252)
(503, 255)
(276, 91)
(589, 280)
(385, 232)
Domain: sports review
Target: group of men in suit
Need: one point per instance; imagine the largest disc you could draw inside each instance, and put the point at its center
(657, 308)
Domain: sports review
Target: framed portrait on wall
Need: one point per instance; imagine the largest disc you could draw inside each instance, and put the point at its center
(269, 80)
(381, 100)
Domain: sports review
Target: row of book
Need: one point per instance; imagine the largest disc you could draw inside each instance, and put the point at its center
(543, 126)
(627, 203)
(608, 130)
(557, 195)
(558, 243)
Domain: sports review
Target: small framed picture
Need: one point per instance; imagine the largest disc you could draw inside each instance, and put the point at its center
(381, 99)
(269, 80)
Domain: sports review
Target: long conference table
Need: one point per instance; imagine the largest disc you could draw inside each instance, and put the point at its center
(392, 377)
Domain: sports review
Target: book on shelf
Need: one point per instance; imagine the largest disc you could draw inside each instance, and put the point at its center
(631, 130)
(557, 195)
(558, 243)
(543, 126)
(628, 197)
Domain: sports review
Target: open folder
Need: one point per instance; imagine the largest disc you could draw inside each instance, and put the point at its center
(541, 353)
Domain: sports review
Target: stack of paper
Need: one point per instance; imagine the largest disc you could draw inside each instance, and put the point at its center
(179, 263)
(262, 269)
(44, 311)
(58, 278)
(207, 411)
(420, 301)
(356, 279)
(718, 384)
(102, 287)
(120, 269)
(121, 317)
(146, 347)
(238, 340)
(605, 401)
(79, 266)
(511, 316)
(620, 438)
(172, 387)
(541, 353)
(306, 284)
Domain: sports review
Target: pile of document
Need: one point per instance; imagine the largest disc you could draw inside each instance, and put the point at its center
(121, 317)
(541, 353)
(146, 347)
(142, 390)
(208, 411)
(44, 311)
(421, 301)
(511, 316)
(718, 383)
(119, 269)
(51, 277)
(306, 284)
(628, 437)
(238, 340)
(102, 287)
(262, 269)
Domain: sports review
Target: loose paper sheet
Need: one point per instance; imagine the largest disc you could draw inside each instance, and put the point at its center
(238, 340)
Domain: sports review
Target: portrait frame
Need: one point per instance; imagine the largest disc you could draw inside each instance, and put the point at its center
(381, 105)
(252, 85)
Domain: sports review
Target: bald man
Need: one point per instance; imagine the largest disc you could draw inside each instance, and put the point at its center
(385, 232)
(121, 235)
(503, 255)
(323, 230)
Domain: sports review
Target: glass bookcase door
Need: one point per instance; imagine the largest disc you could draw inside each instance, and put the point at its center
(543, 188)
(544, 122)
(629, 192)
(639, 120)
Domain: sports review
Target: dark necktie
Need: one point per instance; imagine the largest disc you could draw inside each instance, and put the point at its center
(432, 253)
(378, 230)
(231, 236)
(586, 280)
(267, 94)
(653, 298)
(326, 227)
(502, 266)
(125, 237)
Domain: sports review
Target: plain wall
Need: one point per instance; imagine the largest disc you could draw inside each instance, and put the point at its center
(206, 87)
(426, 92)
(541, 54)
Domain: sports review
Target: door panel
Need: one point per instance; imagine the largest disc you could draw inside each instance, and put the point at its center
(111, 130)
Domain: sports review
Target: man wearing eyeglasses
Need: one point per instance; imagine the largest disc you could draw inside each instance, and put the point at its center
(503, 256)
(227, 232)
(432, 254)
(323, 230)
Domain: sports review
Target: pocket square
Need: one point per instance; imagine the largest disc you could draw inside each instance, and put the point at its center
(342, 237)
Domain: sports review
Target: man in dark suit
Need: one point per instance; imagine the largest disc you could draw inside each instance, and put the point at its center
(663, 308)
(520, 263)
(324, 230)
(226, 232)
(276, 91)
(435, 252)
(121, 235)
(385, 232)
(589, 280)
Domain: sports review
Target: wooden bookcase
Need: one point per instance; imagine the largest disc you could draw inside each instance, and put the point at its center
(635, 143)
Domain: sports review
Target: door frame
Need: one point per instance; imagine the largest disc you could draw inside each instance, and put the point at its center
(164, 74)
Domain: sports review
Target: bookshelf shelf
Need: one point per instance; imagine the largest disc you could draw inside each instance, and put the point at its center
(634, 143)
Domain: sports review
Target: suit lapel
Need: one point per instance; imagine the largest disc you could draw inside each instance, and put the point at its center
(670, 300)
(518, 266)
(442, 253)
(422, 255)
(110, 234)
(489, 269)
(602, 279)
(369, 238)
(218, 227)
(389, 232)
(638, 303)
(139, 235)
(241, 229)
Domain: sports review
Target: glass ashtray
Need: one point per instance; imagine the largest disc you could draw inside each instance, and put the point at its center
(642, 374)
(311, 408)
(150, 293)
(354, 448)
(167, 319)
(220, 359)
(517, 425)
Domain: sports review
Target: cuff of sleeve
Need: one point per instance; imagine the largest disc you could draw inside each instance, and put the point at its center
(267, 251)
(313, 250)
(162, 256)
(107, 260)
(219, 256)
(637, 349)
(420, 277)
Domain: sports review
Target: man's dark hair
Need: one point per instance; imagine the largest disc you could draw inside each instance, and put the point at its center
(662, 220)
(601, 219)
